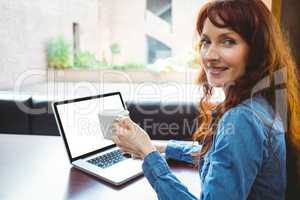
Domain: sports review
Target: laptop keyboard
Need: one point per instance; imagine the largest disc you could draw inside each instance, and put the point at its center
(108, 159)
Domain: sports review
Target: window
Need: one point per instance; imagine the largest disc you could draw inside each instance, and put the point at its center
(156, 50)
(161, 8)
(148, 31)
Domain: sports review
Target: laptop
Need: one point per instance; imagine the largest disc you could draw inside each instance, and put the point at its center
(88, 150)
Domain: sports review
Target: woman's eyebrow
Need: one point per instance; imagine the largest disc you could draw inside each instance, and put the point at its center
(227, 33)
(220, 35)
(204, 35)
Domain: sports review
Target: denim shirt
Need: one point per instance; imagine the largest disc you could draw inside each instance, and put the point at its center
(246, 159)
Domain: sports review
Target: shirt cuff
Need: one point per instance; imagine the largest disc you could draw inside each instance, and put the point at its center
(154, 166)
(173, 150)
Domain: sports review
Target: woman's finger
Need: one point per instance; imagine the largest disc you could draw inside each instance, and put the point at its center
(127, 122)
(116, 139)
(124, 134)
(125, 149)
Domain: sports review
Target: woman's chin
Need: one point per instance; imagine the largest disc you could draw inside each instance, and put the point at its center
(216, 84)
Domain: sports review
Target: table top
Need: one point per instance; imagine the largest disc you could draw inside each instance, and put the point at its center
(37, 167)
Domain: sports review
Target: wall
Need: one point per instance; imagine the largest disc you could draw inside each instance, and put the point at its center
(25, 28)
(184, 25)
(122, 22)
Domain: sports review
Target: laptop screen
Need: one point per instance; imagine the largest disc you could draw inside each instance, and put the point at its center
(80, 123)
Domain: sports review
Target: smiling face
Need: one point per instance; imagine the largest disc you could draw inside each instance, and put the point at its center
(223, 54)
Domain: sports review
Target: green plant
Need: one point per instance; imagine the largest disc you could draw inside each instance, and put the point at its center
(86, 59)
(115, 48)
(59, 53)
(129, 65)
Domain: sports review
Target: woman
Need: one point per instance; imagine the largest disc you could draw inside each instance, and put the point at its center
(241, 152)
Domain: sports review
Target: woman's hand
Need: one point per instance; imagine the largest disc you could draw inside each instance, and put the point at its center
(131, 138)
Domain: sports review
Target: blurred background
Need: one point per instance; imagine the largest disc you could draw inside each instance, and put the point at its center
(111, 41)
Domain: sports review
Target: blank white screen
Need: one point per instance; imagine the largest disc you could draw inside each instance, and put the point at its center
(81, 126)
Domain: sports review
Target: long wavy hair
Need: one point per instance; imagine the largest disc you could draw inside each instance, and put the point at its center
(269, 58)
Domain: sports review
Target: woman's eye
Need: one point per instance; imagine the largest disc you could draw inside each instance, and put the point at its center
(228, 42)
(204, 42)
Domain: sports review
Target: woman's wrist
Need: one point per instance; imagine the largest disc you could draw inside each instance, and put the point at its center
(148, 149)
(160, 145)
(161, 148)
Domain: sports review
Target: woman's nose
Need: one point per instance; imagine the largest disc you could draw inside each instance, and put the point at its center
(212, 53)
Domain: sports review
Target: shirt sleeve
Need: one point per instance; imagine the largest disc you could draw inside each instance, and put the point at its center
(182, 152)
(236, 157)
(165, 184)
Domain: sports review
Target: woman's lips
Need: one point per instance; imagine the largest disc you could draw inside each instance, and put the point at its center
(215, 71)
